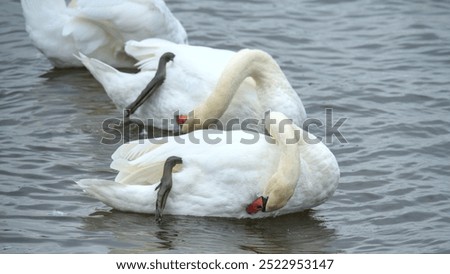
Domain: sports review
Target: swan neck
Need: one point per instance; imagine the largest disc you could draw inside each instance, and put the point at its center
(246, 63)
(288, 144)
(281, 186)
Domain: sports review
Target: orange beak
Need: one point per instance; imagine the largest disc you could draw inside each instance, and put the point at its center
(257, 205)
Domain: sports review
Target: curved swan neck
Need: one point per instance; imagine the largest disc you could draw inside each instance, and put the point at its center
(256, 64)
(281, 186)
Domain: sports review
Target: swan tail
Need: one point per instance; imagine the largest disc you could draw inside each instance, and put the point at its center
(141, 175)
(138, 163)
(148, 51)
(138, 172)
(122, 197)
(133, 150)
(104, 73)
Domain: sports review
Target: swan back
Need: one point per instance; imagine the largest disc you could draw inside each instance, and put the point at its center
(97, 28)
(133, 19)
(220, 174)
(44, 21)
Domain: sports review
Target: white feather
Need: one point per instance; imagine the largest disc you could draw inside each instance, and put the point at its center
(194, 75)
(215, 179)
(97, 28)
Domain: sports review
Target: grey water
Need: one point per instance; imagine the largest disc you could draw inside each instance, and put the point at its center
(382, 66)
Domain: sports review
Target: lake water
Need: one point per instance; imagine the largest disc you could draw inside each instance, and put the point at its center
(384, 66)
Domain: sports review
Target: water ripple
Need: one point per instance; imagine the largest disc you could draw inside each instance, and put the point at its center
(382, 65)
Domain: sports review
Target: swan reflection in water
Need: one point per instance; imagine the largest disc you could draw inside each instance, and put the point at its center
(138, 233)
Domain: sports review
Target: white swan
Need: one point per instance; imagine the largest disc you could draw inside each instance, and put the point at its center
(217, 84)
(223, 173)
(98, 28)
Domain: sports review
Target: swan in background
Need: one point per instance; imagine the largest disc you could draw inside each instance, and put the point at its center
(217, 84)
(221, 173)
(97, 28)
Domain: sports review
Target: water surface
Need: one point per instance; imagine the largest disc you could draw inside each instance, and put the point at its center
(382, 65)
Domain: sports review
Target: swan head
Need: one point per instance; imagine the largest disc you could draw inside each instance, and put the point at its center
(192, 122)
(181, 120)
(281, 186)
(276, 195)
(259, 204)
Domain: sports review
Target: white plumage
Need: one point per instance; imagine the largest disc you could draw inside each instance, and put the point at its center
(217, 83)
(221, 174)
(97, 28)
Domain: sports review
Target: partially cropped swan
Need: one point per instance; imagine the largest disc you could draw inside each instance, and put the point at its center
(216, 84)
(97, 28)
(221, 173)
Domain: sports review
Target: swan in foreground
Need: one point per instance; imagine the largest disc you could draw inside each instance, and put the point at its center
(97, 28)
(221, 173)
(217, 84)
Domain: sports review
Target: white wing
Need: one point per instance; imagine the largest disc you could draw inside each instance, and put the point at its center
(98, 29)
